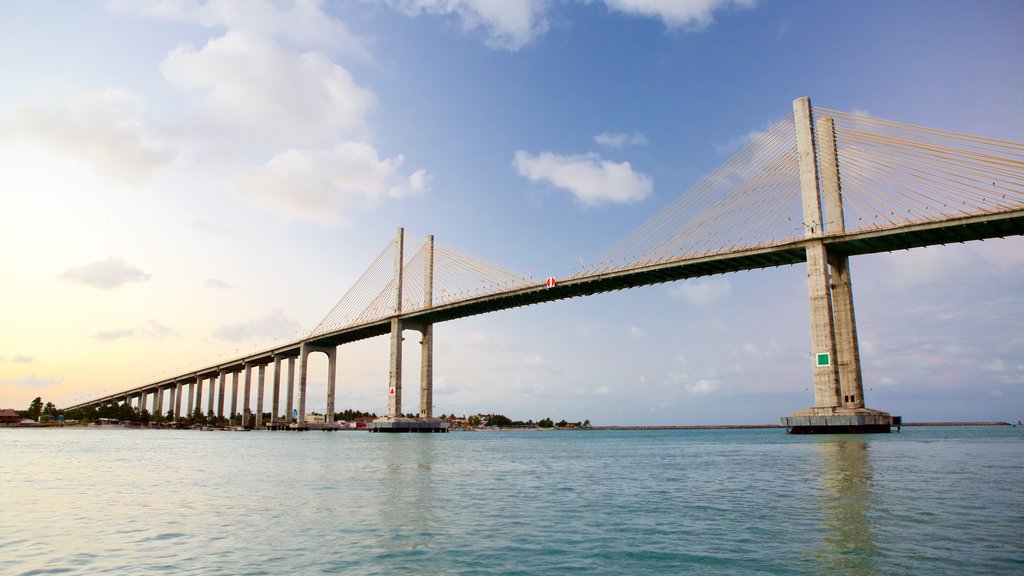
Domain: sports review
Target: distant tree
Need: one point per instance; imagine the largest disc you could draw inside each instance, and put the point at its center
(499, 420)
(586, 423)
(545, 423)
(50, 409)
(35, 408)
(473, 421)
(562, 423)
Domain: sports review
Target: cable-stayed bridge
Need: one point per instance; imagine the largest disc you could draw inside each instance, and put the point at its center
(817, 187)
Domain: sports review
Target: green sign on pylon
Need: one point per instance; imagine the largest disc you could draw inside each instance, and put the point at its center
(823, 359)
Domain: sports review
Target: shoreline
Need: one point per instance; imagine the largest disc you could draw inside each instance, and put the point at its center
(485, 429)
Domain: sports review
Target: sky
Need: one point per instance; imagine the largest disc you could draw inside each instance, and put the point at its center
(184, 182)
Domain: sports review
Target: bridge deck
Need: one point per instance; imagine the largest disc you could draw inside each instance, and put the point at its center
(968, 228)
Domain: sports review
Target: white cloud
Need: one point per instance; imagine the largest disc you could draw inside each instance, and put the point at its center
(273, 324)
(739, 142)
(592, 180)
(325, 185)
(260, 90)
(703, 386)
(22, 359)
(302, 22)
(620, 139)
(535, 360)
(33, 381)
(636, 332)
(690, 14)
(701, 292)
(102, 129)
(152, 330)
(216, 283)
(105, 274)
(509, 24)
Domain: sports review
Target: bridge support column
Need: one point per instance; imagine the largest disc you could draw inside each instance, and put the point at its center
(275, 400)
(222, 384)
(234, 394)
(332, 368)
(395, 422)
(289, 404)
(158, 402)
(427, 372)
(395, 371)
(199, 396)
(838, 389)
(261, 374)
(210, 395)
(177, 399)
(191, 399)
(246, 412)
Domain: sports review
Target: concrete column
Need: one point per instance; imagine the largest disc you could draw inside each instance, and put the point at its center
(234, 394)
(141, 402)
(303, 366)
(199, 395)
(260, 379)
(823, 346)
(427, 372)
(275, 401)
(847, 350)
(427, 342)
(221, 386)
(177, 399)
(172, 391)
(191, 399)
(332, 368)
(289, 403)
(158, 402)
(826, 375)
(808, 167)
(209, 397)
(245, 394)
(395, 371)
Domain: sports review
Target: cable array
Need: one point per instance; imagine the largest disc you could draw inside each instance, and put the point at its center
(893, 174)
(460, 277)
(363, 296)
(752, 200)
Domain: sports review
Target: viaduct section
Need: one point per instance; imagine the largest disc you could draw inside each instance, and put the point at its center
(805, 159)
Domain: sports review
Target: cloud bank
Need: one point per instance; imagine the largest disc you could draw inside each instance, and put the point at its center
(105, 274)
(590, 179)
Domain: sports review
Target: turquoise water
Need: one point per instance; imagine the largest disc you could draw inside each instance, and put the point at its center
(926, 501)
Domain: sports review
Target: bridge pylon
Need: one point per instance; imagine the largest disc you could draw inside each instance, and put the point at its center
(395, 421)
(838, 388)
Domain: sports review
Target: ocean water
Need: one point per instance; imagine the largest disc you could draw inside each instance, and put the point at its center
(115, 501)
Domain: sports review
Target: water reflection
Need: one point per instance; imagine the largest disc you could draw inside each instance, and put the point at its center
(407, 500)
(847, 499)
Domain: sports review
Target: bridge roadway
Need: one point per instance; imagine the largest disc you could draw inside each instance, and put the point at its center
(968, 228)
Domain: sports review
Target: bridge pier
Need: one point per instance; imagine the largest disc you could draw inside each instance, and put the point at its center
(234, 394)
(838, 387)
(395, 421)
(260, 375)
(177, 398)
(332, 367)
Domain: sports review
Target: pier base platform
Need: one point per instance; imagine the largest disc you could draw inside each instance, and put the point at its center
(407, 425)
(840, 421)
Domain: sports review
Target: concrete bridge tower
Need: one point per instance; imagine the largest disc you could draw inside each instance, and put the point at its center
(838, 388)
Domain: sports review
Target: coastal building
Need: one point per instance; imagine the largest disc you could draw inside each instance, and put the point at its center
(9, 416)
